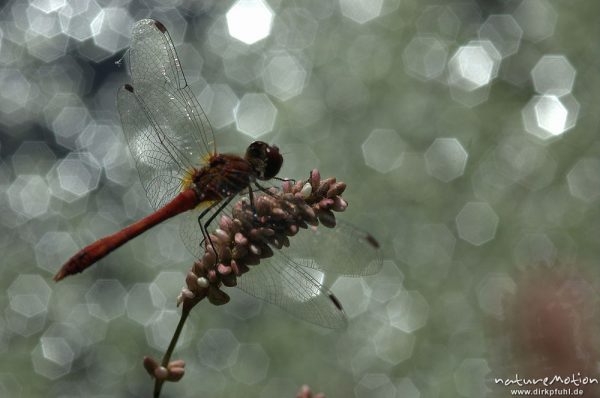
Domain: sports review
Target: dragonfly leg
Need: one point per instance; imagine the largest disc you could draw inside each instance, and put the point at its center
(204, 227)
(265, 190)
(285, 179)
(251, 197)
(205, 235)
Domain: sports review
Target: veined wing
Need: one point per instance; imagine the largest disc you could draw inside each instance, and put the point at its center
(153, 59)
(344, 250)
(292, 279)
(177, 131)
(160, 171)
(190, 232)
(282, 281)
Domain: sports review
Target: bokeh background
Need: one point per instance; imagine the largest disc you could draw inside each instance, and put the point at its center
(466, 132)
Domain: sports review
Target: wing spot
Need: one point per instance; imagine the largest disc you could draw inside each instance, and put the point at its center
(372, 241)
(336, 302)
(160, 26)
(128, 87)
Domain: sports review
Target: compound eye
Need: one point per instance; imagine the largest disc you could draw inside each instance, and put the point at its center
(255, 149)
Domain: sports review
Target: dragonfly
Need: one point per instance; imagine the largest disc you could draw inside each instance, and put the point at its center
(173, 145)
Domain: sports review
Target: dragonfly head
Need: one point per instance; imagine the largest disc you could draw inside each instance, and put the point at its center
(265, 159)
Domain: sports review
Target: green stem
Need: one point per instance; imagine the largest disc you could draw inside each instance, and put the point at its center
(167, 357)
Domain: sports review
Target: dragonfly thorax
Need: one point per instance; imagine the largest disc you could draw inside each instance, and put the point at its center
(224, 175)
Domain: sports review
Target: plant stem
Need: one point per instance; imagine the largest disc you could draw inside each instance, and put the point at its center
(167, 357)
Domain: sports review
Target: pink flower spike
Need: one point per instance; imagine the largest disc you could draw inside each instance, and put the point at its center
(179, 363)
(315, 179)
(175, 374)
(161, 373)
(150, 364)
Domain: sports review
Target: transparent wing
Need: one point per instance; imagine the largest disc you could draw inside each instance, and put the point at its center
(159, 171)
(190, 232)
(292, 279)
(176, 133)
(281, 281)
(153, 59)
(344, 250)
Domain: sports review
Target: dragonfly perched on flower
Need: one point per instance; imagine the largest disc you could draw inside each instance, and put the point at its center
(173, 145)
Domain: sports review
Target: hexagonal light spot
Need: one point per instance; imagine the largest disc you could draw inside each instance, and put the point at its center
(165, 286)
(16, 92)
(111, 29)
(537, 18)
(393, 345)
(139, 304)
(383, 150)
(470, 377)
(283, 76)
(553, 75)
(28, 195)
(32, 157)
(47, 367)
(106, 299)
(249, 21)
(375, 385)
(476, 223)
(60, 345)
(584, 179)
(20, 322)
(408, 311)
(504, 32)
(387, 283)
(425, 57)
(255, 115)
(219, 102)
(29, 295)
(99, 140)
(361, 11)
(446, 159)
(75, 19)
(493, 292)
(359, 359)
(252, 364)
(474, 65)
(353, 293)
(69, 123)
(218, 349)
(548, 116)
(56, 349)
(78, 174)
(41, 23)
(48, 6)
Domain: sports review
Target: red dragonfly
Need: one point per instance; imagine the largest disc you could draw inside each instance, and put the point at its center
(173, 145)
(169, 136)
